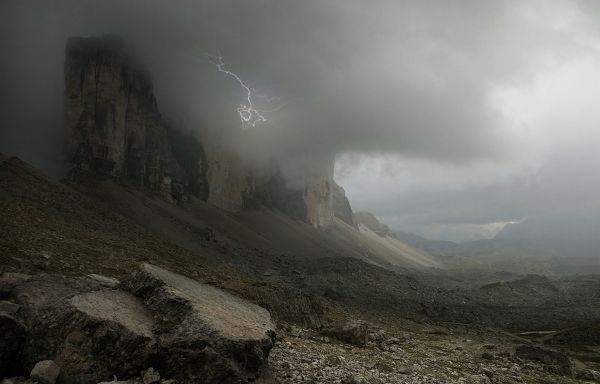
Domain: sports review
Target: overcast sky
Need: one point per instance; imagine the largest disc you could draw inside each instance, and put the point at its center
(447, 118)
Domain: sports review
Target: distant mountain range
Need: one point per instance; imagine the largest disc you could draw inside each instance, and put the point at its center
(561, 243)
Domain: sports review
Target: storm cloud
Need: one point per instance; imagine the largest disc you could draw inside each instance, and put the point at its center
(475, 97)
(404, 77)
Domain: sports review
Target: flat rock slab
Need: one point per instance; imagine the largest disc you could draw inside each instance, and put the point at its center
(206, 334)
(90, 331)
(192, 332)
(118, 307)
(229, 315)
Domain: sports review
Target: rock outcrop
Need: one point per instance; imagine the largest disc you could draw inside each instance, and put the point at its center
(341, 206)
(114, 126)
(553, 361)
(201, 323)
(302, 189)
(227, 179)
(188, 331)
(355, 332)
(370, 221)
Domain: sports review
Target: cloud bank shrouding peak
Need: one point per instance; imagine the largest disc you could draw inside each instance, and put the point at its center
(476, 97)
(370, 77)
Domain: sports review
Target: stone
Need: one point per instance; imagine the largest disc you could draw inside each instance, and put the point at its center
(392, 341)
(353, 379)
(378, 336)
(199, 322)
(45, 372)
(106, 281)
(353, 332)
(9, 307)
(12, 338)
(188, 331)
(150, 376)
(553, 361)
(478, 379)
(296, 331)
(76, 319)
(341, 205)
(333, 360)
(587, 374)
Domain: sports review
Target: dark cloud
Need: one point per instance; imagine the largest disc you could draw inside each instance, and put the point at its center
(384, 76)
(403, 79)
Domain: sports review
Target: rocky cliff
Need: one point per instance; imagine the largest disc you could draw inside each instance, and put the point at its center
(341, 206)
(370, 221)
(114, 126)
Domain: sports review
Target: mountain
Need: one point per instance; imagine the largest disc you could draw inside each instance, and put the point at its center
(189, 257)
(116, 133)
(572, 234)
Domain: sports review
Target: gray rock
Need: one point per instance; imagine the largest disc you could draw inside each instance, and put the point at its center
(198, 322)
(76, 319)
(109, 282)
(188, 331)
(353, 379)
(107, 91)
(296, 331)
(9, 307)
(12, 338)
(353, 332)
(587, 374)
(478, 379)
(378, 336)
(150, 376)
(554, 361)
(45, 372)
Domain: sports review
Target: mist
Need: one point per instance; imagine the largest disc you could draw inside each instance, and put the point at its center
(446, 119)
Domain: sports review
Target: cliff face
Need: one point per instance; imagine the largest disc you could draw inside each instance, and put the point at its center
(370, 221)
(303, 190)
(228, 179)
(341, 206)
(114, 126)
(319, 194)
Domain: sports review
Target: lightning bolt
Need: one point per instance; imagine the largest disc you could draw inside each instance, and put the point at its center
(249, 115)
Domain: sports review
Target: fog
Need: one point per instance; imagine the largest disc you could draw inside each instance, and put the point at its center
(447, 119)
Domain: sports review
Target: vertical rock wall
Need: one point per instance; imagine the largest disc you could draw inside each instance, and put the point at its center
(227, 179)
(113, 123)
(114, 128)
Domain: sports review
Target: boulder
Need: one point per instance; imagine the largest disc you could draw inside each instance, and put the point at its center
(189, 331)
(9, 307)
(91, 332)
(587, 374)
(45, 372)
(150, 376)
(12, 338)
(206, 334)
(554, 361)
(353, 332)
(109, 282)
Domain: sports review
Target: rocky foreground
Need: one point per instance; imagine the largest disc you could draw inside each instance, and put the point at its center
(156, 326)
(94, 329)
